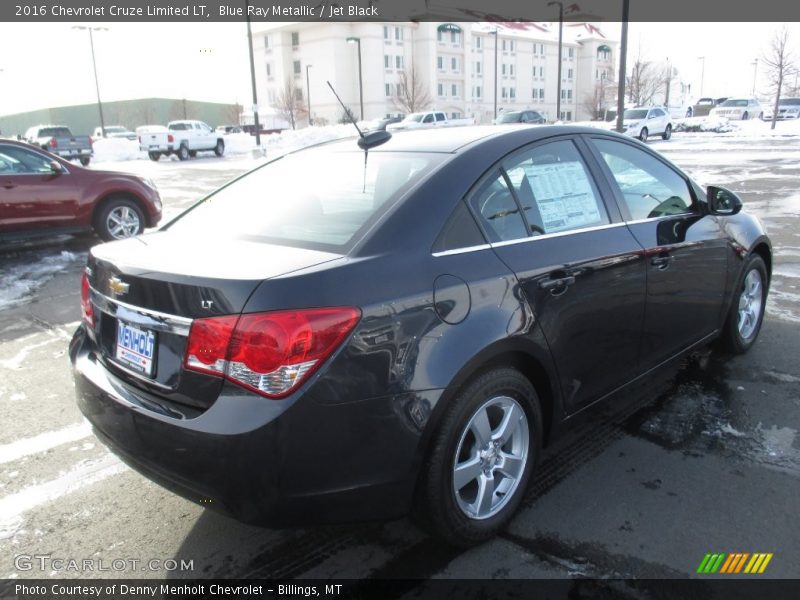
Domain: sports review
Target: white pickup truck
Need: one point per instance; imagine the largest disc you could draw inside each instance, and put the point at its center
(426, 120)
(184, 138)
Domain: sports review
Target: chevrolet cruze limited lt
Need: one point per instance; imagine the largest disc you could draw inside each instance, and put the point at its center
(352, 331)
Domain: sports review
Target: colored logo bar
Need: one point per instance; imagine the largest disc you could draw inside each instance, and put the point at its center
(736, 562)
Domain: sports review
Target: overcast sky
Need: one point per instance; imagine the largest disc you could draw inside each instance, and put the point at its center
(49, 64)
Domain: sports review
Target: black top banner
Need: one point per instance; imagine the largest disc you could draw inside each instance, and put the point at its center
(395, 10)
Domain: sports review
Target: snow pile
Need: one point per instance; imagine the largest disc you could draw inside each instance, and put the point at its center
(110, 149)
(239, 143)
(698, 124)
(22, 280)
(289, 140)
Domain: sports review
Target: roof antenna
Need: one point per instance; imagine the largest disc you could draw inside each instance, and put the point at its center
(365, 141)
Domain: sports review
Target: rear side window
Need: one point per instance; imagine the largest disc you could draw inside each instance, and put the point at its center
(498, 211)
(650, 188)
(555, 189)
(460, 231)
(318, 198)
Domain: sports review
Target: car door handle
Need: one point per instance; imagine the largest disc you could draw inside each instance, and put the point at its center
(557, 285)
(661, 262)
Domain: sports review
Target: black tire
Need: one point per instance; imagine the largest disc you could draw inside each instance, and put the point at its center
(183, 153)
(745, 116)
(689, 112)
(643, 134)
(119, 206)
(761, 116)
(667, 133)
(732, 338)
(154, 156)
(85, 160)
(437, 499)
(219, 149)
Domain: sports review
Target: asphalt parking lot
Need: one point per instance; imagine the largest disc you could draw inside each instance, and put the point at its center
(705, 460)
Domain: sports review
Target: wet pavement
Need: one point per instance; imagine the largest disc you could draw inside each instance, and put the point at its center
(704, 460)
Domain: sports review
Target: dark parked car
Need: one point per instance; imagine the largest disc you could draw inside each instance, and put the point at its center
(43, 194)
(409, 331)
(522, 116)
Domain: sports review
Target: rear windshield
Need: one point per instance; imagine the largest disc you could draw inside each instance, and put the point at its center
(319, 199)
(789, 102)
(734, 103)
(54, 132)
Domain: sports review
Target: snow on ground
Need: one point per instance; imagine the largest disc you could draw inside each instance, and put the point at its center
(21, 280)
(116, 150)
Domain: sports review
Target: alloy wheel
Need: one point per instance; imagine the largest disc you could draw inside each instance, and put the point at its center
(490, 457)
(122, 222)
(750, 304)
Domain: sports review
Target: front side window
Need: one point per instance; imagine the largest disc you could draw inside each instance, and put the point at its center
(279, 203)
(650, 188)
(497, 210)
(15, 161)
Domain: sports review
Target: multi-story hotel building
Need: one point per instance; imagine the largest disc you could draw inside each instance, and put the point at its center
(454, 62)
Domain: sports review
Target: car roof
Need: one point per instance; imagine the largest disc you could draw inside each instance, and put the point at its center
(454, 139)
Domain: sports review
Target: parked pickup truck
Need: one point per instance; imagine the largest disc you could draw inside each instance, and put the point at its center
(184, 138)
(425, 120)
(60, 141)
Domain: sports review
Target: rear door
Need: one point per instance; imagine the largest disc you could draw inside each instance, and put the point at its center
(685, 248)
(32, 196)
(579, 267)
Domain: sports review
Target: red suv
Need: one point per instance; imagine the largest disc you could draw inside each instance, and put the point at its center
(41, 193)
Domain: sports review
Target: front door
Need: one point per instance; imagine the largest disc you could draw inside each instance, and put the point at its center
(685, 248)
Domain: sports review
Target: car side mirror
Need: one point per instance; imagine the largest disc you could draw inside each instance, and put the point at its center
(723, 202)
(56, 167)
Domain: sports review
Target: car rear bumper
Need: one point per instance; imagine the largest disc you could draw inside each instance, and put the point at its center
(262, 461)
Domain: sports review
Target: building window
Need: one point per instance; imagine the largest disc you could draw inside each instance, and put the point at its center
(541, 72)
(512, 93)
(440, 36)
(388, 89)
(387, 61)
(571, 52)
(455, 38)
(440, 90)
(297, 67)
(386, 35)
(454, 90)
(266, 42)
(511, 70)
(504, 93)
(298, 94)
(569, 94)
(440, 63)
(400, 90)
(478, 66)
(454, 64)
(478, 42)
(569, 73)
(295, 39)
(269, 70)
(503, 68)
(398, 62)
(604, 53)
(398, 34)
(476, 92)
(508, 45)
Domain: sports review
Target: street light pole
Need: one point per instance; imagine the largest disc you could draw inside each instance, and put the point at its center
(560, 50)
(253, 75)
(702, 72)
(755, 73)
(356, 40)
(496, 43)
(308, 96)
(623, 61)
(94, 65)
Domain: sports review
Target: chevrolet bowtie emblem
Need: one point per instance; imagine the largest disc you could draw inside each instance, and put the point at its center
(117, 286)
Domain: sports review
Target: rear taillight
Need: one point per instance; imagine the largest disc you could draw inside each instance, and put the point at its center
(87, 311)
(53, 143)
(269, 353)
(170, 138)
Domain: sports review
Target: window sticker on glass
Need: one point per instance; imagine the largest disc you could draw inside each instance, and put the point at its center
(564, 196)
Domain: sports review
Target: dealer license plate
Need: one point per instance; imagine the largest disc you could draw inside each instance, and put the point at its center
(135, 348)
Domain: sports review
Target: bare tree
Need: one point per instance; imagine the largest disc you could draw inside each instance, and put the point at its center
(602, 97)
(411, 93)
(779, 59)
(646, 79)
(232, 113)
(289, 103)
